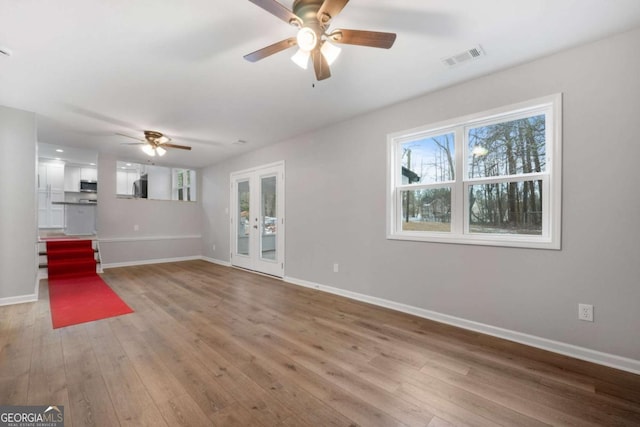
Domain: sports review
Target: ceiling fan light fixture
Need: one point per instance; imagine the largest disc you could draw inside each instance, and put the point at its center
(161, 151)
(301, 58)
(307, 39)
(330, 52)
(148, 149)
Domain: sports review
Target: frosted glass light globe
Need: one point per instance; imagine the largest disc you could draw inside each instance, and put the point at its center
(307, 39)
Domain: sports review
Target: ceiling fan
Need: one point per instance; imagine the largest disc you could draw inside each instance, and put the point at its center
(314, 41)
(154, 143)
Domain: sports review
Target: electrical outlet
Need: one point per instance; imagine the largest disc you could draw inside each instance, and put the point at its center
(585, 312)
(136, 227)
(335, 267)
(213, 247)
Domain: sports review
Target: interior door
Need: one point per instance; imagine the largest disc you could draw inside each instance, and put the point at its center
(257, 220)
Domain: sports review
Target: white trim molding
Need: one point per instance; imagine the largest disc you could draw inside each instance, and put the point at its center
(165, 260)
(582, 353)
(150, 261)
(19, 299)
(146, 238)
(216, 261)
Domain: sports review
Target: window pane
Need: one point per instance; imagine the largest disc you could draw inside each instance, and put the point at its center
(269, 217)
(508, 148)
(244, 228)
(426, 210)
(428, 160)
(506, 208)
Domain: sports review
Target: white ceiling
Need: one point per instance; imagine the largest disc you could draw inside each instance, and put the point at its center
(92, 68)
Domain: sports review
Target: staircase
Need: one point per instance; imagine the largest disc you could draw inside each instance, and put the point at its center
(78, 257)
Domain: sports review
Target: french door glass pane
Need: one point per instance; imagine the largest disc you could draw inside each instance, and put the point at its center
(506, 208)
(269, 218)
(244, 226)
(426, 210)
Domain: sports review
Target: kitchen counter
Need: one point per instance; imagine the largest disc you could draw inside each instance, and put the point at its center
(79, 218)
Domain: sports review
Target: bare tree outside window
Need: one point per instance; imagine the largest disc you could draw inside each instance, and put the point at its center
(428, 161)
(507, 149)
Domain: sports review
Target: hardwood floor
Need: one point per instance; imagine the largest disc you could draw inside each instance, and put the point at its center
(211, 345)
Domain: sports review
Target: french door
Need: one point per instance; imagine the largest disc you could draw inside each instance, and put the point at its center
(257, 219)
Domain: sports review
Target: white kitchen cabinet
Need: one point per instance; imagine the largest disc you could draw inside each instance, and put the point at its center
(124, 182)
(50, 189)
(72, 178)
(122, 186)
(89, 174)
(51, 176)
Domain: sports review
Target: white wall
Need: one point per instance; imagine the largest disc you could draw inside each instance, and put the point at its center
(18, 210)
(335, 212)
(166, 229)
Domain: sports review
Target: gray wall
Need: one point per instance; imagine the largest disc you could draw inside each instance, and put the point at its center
(18, 212)
(335, 207)
(166, 229)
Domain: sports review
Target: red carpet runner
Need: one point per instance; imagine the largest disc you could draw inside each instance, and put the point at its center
(76, 293)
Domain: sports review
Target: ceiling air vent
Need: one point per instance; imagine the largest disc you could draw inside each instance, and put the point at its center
(473, 53)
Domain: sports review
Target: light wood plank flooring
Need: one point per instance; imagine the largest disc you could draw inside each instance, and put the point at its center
(216, 346)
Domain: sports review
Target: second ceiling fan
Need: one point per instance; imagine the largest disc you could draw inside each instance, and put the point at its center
(314, 40)
(155, 143)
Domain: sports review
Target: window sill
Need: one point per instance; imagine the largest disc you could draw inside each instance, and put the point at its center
(537, 242)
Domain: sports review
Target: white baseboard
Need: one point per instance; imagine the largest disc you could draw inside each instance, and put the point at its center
(216, 261)
(150, 261)
(18, 299)
(146, 238)
(582, 353)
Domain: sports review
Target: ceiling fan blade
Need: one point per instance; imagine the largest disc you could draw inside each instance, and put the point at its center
(320, 65)
(270, 50)
(129, 136)
(133, 143)
(363, 38)
(198, 140)
(330, 9)
(278, 10)
(182, 147)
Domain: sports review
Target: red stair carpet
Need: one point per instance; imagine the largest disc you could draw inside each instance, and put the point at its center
(76, 293)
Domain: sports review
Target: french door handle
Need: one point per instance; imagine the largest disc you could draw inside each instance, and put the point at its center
(255, 226)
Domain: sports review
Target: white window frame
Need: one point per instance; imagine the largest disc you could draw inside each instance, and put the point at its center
(192, 184)
(550, 238)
